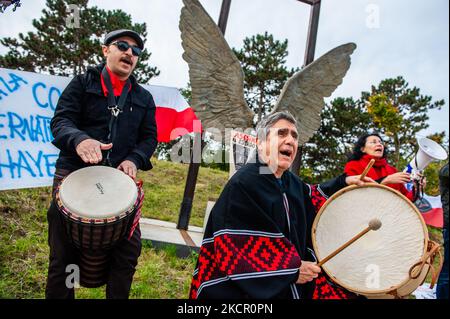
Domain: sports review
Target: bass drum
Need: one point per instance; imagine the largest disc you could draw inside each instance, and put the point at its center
(388, 263)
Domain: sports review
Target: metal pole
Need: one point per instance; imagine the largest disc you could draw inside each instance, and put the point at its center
(194, 165)
(312, 33)
(309, 57)
(191, 181)
(223, 18)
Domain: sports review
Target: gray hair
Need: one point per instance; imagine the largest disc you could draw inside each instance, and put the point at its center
(263, 127)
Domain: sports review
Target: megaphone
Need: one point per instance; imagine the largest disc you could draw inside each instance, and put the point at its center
(428, 151)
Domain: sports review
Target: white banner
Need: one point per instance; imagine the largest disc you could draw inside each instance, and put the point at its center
(27, 103)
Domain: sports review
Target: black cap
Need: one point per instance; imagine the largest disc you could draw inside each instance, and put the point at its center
(110, 37)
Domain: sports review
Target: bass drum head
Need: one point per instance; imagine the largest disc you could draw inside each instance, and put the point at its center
(98, 192)
(378, 262)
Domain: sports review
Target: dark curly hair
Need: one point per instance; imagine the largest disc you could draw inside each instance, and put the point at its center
(360, 143)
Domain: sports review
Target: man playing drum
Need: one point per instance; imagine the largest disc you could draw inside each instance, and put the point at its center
(103, 117)
(258, 237)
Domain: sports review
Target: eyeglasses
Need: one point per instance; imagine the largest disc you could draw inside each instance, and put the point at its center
(124, 46)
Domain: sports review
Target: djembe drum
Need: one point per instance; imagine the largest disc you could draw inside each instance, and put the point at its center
(388, 263)
(98, 205)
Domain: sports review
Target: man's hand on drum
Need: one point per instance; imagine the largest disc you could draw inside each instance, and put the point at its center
(397, 178)
(308, 272)
(129, 168)
(356, 180)
(90, 150)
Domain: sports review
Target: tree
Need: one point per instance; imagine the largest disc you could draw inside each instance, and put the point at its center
(325, 155)
(393, 109)
(63, 45)
(400, 113)
(263, 61)
(432, 170)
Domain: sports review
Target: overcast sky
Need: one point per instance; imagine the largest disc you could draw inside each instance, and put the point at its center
(394, 37)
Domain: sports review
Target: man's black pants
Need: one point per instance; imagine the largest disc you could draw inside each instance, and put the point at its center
(124, 257)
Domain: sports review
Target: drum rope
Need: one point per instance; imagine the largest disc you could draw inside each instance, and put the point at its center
(139, 208)
(433, 250)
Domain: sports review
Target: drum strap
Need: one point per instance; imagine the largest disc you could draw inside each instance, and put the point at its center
(116, 107)
(428, 259)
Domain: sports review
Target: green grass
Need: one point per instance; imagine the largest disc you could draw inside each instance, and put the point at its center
(160, 273)
(23, 243)
(164, 188)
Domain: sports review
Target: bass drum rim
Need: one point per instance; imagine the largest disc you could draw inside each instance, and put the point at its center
(370, 293)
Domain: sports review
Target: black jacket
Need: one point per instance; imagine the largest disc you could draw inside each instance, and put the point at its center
(82, 113)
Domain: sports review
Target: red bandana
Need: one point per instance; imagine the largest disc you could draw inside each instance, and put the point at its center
(116, 83)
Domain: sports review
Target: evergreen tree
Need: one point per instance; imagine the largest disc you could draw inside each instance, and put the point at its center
(325, 155)
(65, 45)
(263, 61)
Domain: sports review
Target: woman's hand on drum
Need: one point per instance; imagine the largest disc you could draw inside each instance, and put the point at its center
(397, 178)
(308, 272)
(90, 150)
(129, 168)
(356, 180)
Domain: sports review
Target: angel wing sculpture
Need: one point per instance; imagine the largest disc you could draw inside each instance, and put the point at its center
(217, 78)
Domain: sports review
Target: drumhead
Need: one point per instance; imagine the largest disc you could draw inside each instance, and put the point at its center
(380, 260)
(98, 192)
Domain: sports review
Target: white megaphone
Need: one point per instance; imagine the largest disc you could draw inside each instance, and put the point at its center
(429, 151)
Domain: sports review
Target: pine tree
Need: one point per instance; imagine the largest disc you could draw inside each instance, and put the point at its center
(64, 45)
(325, 155)
(263, 61)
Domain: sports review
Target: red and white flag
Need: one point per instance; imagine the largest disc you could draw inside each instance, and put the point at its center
(174, 116)
(431, 209)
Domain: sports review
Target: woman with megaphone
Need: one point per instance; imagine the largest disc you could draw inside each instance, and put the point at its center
(371, 146)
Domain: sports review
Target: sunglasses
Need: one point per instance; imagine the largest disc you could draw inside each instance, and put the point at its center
(124, 46)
